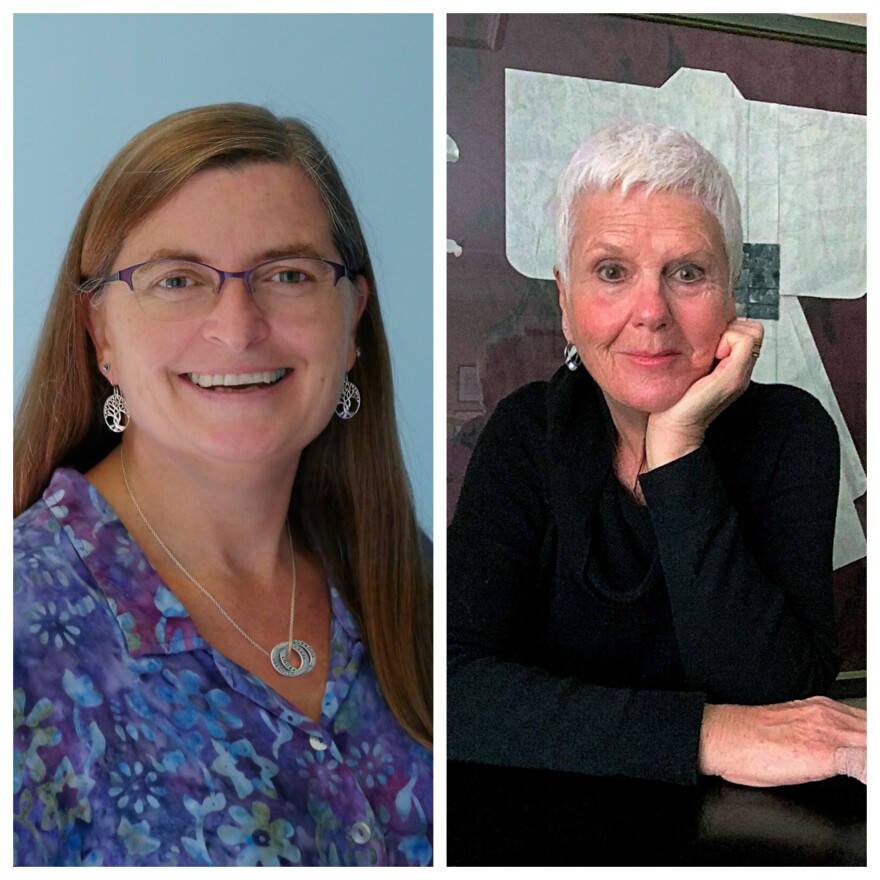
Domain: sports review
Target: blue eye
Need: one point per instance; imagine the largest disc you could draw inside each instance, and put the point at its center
(689, 273)
(289, 276)
(175, 282)
(610, 272)
(167, 278)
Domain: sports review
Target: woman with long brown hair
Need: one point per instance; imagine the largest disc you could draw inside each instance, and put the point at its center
(222, 602)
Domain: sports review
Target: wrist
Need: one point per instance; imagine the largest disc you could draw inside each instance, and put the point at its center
(663, 450)
(714, 736)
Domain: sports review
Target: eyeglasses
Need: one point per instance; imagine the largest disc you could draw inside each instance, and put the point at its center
(175, 290)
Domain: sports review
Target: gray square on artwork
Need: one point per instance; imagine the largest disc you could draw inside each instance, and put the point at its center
(757, 294)
(741, 292)
(758, 251)
(764, 312)
(764, 276)
(764, 295)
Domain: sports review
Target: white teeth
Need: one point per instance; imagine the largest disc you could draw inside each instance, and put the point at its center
(208, 380)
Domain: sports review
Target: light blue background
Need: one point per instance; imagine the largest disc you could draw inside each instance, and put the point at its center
(85, 84)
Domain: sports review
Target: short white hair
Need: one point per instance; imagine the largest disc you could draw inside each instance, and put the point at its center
(628, 154)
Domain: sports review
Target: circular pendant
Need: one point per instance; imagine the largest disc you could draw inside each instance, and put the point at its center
(282, 663)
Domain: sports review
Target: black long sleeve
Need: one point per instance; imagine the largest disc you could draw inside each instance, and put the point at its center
(731, 523)
(752, 602)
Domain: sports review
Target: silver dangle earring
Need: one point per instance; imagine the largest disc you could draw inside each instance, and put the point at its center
(571, 356)
(114, 410)
(349, 400)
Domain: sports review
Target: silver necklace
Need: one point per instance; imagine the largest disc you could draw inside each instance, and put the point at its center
(282, 652)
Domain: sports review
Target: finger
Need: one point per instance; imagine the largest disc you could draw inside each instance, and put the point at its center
(737, 348)
(724, 347)
(748, 325)
(740, 329)
(856, 718)
(852, 739)
(853, 763)
(730, 339)
(744, 327)
(855, 711)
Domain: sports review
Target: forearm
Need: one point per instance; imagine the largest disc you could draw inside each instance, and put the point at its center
(744, 633)
(512, 715)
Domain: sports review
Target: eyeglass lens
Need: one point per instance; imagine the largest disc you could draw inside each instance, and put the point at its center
(177, 289)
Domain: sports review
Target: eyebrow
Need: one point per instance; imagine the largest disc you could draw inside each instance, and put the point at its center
(293, 250)
(607, 247)
(613, 250)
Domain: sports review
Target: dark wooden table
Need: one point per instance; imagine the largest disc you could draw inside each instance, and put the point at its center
(510, 817)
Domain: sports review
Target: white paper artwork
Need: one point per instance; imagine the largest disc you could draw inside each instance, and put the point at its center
(800, 174)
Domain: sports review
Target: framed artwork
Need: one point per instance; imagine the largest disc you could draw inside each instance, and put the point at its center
(780, 99)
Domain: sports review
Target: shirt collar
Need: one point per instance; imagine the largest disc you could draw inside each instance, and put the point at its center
(151, 617)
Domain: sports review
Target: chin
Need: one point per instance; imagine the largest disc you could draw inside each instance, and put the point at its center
(648, 400)
(246, 447)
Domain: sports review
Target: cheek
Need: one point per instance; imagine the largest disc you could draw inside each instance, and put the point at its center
(703, 332)
(327, 346)
(143, 352)
(596, 323)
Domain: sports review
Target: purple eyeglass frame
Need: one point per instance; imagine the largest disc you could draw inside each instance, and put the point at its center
(124, 275)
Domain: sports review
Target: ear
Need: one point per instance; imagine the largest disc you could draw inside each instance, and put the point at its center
(96, 324)
(363, 289)
(563, 303)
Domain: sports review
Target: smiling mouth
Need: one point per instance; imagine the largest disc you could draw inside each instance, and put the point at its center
(651, 358)
(236, 381)
(652, 355)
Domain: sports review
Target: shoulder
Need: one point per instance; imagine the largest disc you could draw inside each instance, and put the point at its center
(550, 409)
(516, 425)
(783, 399)
(32, 524)
(537, 439)
(778, 411)
(44, 548)
(526, 405)
(63, 639)
(507, 462)
(775, 432)
(38, 547)
(54, 591)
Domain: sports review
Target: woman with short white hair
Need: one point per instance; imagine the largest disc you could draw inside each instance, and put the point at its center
(640, 563)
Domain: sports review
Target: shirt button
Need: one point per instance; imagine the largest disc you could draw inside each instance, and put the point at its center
(360, 832)
(317, 743)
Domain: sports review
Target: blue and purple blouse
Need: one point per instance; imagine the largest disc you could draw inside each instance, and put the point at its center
(137, 743)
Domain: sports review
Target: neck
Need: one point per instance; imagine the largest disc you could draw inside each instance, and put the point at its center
(629, 456)
(224, 518)
(631, 426)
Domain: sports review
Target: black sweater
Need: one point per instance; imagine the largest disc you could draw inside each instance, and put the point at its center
(549, 670)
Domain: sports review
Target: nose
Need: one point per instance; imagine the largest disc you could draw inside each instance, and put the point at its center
(236, 320)
(651, 305)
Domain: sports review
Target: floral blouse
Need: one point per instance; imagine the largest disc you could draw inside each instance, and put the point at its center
(137, 743)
